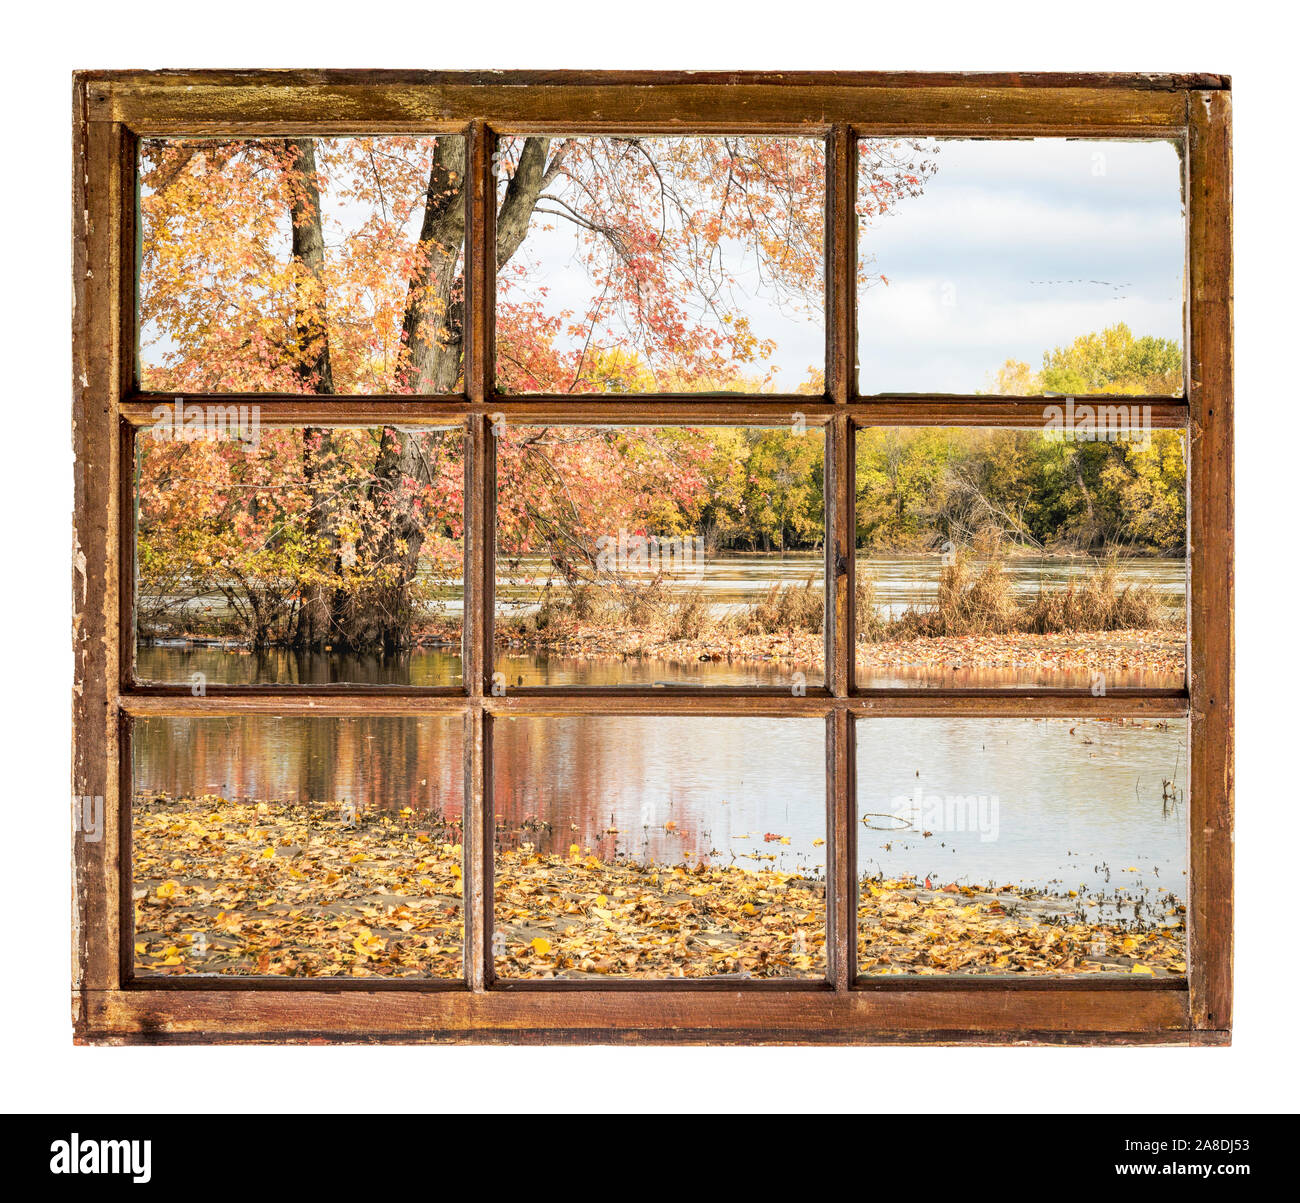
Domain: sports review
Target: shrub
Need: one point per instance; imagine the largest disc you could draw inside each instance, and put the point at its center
(871, 626)
(789, 608)
(690, 618)
(1098, 604)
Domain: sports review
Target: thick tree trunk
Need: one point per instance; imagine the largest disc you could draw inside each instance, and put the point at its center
(316, 618)
(312, 358)
(379, 615)
(432, 329)
(433, 325)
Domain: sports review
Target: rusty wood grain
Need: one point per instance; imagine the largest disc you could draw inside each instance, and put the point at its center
(112, 109)
(344, 701)
(162, 103)
(661, 1015)
(1210, 600)
(656, 409)
(100, 156)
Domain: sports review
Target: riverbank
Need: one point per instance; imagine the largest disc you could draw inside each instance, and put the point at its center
(797, 649)
(1120, 656)
(1117, 655)
(903, 928)
(267, 887)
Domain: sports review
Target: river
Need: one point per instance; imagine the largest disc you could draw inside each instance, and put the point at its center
(1057, 805)
(727, 583)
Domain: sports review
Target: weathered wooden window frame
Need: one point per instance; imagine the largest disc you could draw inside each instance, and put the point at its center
(113, 110)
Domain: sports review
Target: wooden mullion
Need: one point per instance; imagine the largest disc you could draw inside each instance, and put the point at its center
(841, 893)
(100, 158)
(475, 865)
(310, 409)
(237, 103)
(839, 493)
(126, 555)
(480, 540)
(1210, 601)
(840, 259)
(652, 409)
(1166, 413)
(842, 493)
(343, 702)
(565, 403)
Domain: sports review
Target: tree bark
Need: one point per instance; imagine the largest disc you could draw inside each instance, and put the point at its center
(312, 361)
(432, 329)
(316, 617)
(433, 324)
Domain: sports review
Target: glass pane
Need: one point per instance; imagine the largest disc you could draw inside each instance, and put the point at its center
(302, 847)
(1042, 265)
(660, 848)
(659, 555)
(1027, 846)
(997, 558)
(297, 555)
(666, 264)
(300, 265)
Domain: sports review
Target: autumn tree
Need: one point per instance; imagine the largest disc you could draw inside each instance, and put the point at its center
(336, 265)
(1112, 490)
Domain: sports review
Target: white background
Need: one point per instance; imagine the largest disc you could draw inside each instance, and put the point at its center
(44, 43)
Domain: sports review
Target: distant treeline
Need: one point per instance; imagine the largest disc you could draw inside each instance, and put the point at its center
(919, 488)
(924, 487)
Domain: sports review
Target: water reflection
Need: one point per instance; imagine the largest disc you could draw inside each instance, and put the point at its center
(666, 790)
(899, 581)
(373, 763)
(1095, 807)
(659, 847)
(176, 662)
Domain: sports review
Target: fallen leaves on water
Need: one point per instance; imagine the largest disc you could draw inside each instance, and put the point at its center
(375, 895)
(285, 889)
(904, 928)
(621, 918)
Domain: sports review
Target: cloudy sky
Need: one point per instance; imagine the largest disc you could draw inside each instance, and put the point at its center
(548, 268)
(1015, 248)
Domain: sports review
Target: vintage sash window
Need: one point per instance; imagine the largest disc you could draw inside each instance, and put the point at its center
(652, 557)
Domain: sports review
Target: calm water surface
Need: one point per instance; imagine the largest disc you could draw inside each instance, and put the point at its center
(728, 583)
(1056, 804)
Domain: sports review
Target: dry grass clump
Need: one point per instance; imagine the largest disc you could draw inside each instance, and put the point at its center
(871, 625)
(1098, 604)
(975, 598)
(691, 617)
(788, 608)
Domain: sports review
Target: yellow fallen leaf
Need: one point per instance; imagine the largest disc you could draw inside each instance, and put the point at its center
(541, 947)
